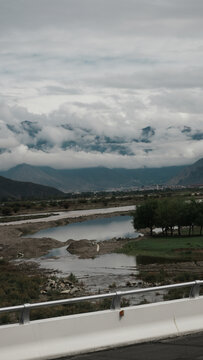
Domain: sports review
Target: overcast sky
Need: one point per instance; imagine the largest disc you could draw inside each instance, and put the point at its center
(115, 83)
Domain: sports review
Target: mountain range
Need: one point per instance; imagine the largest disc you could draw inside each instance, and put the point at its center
(91, 179)
(190, 175)
(26, 181)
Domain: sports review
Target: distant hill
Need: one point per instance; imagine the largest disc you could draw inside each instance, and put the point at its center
(10, 189)
(91, 179)
(190, 175)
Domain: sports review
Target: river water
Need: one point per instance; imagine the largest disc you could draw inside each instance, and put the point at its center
(96, 229)
(97, 273)
(100, 272)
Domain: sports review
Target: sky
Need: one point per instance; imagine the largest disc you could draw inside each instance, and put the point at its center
(115, 83)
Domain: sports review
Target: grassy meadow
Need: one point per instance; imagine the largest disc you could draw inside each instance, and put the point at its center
(185, 248)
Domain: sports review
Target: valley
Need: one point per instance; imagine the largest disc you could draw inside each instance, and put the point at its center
(100, 262)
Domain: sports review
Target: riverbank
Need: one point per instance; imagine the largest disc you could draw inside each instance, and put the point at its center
(88, 249)
(160, 274)
(13, 245)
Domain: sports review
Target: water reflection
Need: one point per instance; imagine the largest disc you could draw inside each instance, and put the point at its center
(97, 274)
(101, 271)
(62, 260)
(97, 229)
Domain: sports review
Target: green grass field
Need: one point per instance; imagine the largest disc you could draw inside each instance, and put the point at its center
(186, 248)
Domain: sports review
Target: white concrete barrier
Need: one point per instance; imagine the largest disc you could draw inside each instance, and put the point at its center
(57, 337)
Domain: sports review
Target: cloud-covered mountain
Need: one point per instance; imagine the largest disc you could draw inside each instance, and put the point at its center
(47, 135)
(65, 140)
(91, 179)
(109, 83)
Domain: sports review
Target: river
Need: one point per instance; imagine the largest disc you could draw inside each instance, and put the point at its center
(103, 271)
(96, 229)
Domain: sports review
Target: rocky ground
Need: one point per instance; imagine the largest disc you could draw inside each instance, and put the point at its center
(63, 286)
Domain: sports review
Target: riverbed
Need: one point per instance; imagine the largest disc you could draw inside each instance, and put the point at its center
(70, 215)
(97, 270)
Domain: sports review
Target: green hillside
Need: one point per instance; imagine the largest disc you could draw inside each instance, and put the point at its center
(10, 189)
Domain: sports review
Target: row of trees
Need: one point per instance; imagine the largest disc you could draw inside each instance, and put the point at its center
(169, 214)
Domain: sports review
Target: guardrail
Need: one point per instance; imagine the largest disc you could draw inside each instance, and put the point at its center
(116, 299)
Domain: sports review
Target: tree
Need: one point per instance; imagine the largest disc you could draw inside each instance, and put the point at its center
(169, 213)
(199, 217)
(179, 208)
(190, 215)
(144, 215)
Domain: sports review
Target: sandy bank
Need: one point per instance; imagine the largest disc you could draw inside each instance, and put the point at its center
(13, 245)
(87, 249)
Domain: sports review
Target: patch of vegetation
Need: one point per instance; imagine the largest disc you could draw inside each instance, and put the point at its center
(162, 277)
(154, 277)
(72, 278)
(112, 286)
(77, 308)
(20, 286)
(177, 294)
(183, 248)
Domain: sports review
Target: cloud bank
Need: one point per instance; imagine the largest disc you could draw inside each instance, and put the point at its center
(101, 83)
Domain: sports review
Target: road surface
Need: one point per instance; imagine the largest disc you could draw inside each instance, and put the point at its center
(188, 347)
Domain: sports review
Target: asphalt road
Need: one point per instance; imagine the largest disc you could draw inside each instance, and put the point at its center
(188, 347)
